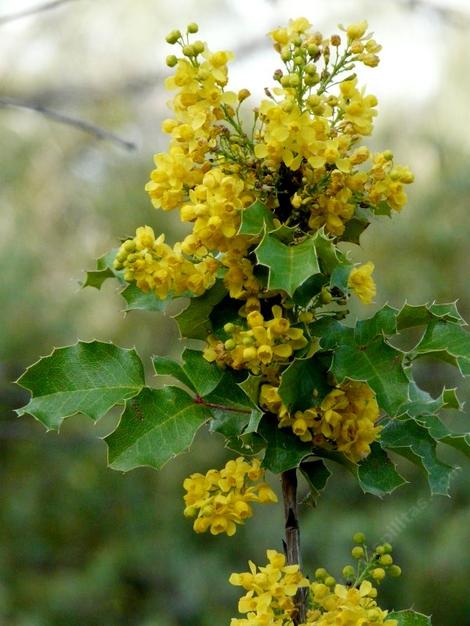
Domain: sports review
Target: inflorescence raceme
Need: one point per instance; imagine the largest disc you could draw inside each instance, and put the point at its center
(300, 153)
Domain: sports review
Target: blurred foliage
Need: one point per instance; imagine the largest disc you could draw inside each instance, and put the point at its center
(81, 545)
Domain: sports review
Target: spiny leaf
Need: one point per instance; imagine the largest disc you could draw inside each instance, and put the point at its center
(303, 384)
(447, 342)
(421, 402)
(331, 333)
(255, 219)
(156, 425)
(104, 270)
(137, 299)
(246, 444)
(194, 322)
(438, 430)
(377, 474)
(87, 378)
(413, 441)
(340, 276)
(378, 364)
(382, 323)
(355, 227)
(284, 450)
(316, 474)
(418, 315)
(195, 372)
(327, 252)
(289, 266)
(410, 618)
(240, 413)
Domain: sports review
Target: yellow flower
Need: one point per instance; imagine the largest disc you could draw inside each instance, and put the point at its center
(221, 499)
(362, 284)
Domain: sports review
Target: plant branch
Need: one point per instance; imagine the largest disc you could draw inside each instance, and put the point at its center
(61, 118)
(40, 8)
(292, 536)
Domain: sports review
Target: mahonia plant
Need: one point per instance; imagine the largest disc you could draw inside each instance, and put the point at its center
(273, 195)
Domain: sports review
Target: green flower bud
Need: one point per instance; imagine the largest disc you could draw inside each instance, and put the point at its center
(378, 573)
(188, 51)
(386, 559)
(192, 28)
(395, 571)
(359, 538)
(173, 37)
(198, 47)
(171, 60)
(348, 571)
(380, 550)
(321, 573)
(357, 552)
(230, 344)
(388, 548)
(330, 581)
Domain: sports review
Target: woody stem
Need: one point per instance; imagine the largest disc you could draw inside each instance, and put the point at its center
(292, 536)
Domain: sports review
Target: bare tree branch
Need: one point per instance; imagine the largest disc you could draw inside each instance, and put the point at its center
(87, 127)
(40, 8)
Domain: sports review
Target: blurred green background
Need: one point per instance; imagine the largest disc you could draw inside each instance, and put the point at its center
(81, 545)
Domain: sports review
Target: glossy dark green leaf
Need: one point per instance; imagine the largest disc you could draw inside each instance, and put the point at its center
(194, 322)
(256, 219)
(382, 323)
(413, 441)
(316, 473)
(156, 426)
(137, 299)
(446, 342)
(378, 364)
(284, 450)
(104, 270)
(233, 411)
(438, 430)
(419, 315)
(410, 618)
(289, 266)
(377, 474)
(87, 378)
(303, 384)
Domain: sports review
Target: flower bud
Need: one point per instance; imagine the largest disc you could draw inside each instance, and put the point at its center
(357, 552)
(192, 28)
(359, 538)
(173, 37)
(171, 60)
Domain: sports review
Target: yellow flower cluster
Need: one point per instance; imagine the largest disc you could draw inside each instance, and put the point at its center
(346, 606)
(263, 343)
(344, 420)
(157, 267)
(221, 499)
(271, 589)
(362, 284)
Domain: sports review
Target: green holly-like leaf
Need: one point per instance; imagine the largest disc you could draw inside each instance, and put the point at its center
(340, 276)
(378, 364)
(234, 413)
(413, 441)
(284, 450)
(329, 255)
(382, 323)
(418, 315)
(289, 266)
(156, 426)
(377, 474)
(87, 378)
(309, 289)
(303, 384)
(137, 299)
(246, 445)
(356, 226)
(421, 402)
(447, 342)
(195, 372)
(410, 618)
(316, 474)
(438, 430)
(194, 321)
(104, 270)
(256, 219)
